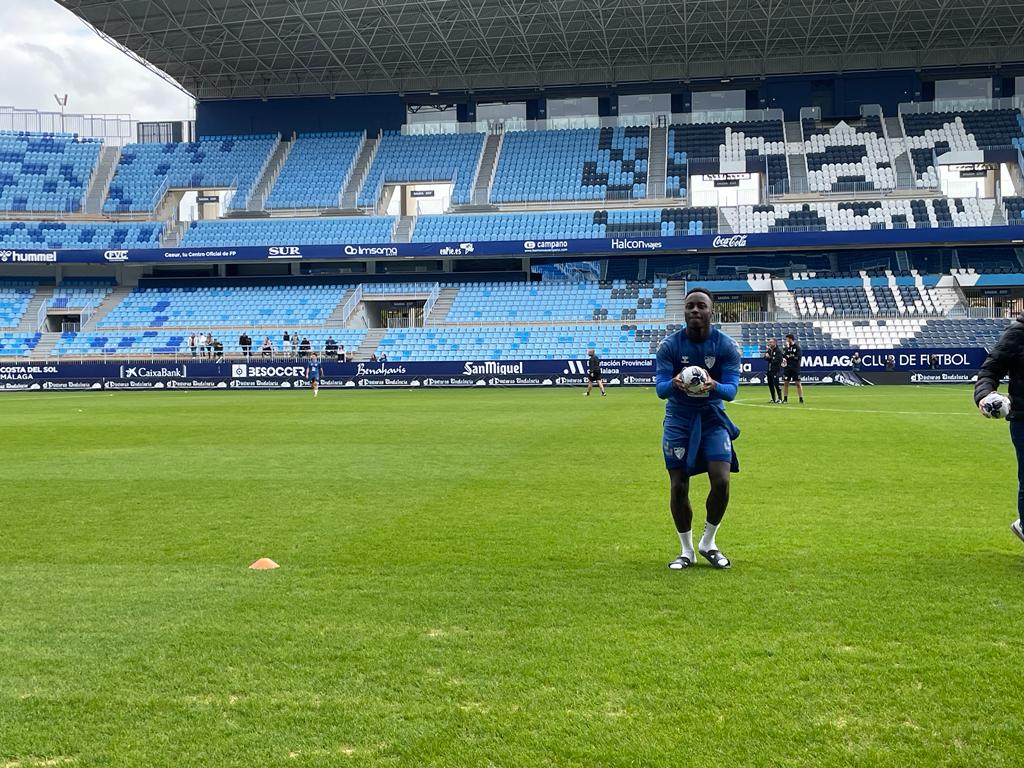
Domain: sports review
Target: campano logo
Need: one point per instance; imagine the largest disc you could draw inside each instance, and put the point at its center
(529, 245)
(115, 255)
(735, 241)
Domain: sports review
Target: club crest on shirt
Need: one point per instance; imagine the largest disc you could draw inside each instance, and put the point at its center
(709, 361)
(685, 359)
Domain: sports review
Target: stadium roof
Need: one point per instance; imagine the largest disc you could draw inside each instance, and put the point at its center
(268, 48)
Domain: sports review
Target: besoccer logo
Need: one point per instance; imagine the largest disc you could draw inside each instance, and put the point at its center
(239, 371)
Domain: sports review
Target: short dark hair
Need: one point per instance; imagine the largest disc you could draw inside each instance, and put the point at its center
(791, 336)
(698, 289)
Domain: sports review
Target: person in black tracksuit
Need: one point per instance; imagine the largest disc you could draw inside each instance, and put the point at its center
(594, 373)
(1007, 357)
(774, 357)
(791, 372)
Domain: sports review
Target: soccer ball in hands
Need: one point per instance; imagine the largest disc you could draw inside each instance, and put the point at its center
(694, 378)
(995, 406)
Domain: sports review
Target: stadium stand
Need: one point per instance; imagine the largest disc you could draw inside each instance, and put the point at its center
(676, 168)
(725, 142)
(877, 214)
(848, 158)
(15, 296)
(808, 334)
(618, 300)
(1014, 210)
(319, 231)
(45, 171)
(503, 320)
(166, 342)
(548, 342)
(17, 344)
(452, 157)
(317, 168)
(146, 171)
(506, 226)
(385, 289)
(935, 133)
(865, 295)
(945, 332)
(827, 297)
(81, 293)
(574, 164)
(566, 225)
(72, 235)
(225, 306)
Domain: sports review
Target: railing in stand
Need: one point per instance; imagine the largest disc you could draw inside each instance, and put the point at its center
(351, 169)
(844, 189)
(352, 304)
(428, 307)
(361, 178)
(960, 105)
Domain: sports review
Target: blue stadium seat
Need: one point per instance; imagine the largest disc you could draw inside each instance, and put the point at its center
(79, 235)
(227, 233)
(146, 171)
(452, 157)
(316, 170)
(45, 171)
(575, 164)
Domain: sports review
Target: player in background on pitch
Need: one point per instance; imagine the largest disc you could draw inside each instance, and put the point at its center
(698, 434)
(791, 369)
(773, 357)
(313, 371)
(594, 373)
(1007, 357)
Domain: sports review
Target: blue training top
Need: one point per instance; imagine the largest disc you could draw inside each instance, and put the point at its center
(314, 369)
(719, 355)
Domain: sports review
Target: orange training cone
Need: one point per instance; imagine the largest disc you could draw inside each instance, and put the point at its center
(264, 564)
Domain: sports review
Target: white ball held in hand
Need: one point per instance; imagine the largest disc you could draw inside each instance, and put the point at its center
(995, 406)
(694, 378)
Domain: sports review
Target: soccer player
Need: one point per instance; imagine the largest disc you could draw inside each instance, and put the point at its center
(1007, 357)
(773, 355)
(791, 369)
(594, 373)
(313, 373)
(698, 434)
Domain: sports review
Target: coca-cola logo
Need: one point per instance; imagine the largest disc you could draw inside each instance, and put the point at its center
(733, 241)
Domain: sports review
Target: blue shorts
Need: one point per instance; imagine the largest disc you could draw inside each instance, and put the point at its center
(314, 379)
(715, 445)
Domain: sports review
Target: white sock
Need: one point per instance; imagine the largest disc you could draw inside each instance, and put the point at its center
(707, 541)
(686, 542)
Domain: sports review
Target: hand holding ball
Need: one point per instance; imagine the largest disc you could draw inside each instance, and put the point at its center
(694, 379)
(994, 406)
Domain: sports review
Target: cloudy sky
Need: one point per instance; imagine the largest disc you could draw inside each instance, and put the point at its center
(49, 50)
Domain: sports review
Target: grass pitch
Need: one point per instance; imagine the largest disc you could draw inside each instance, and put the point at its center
(477, 578)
